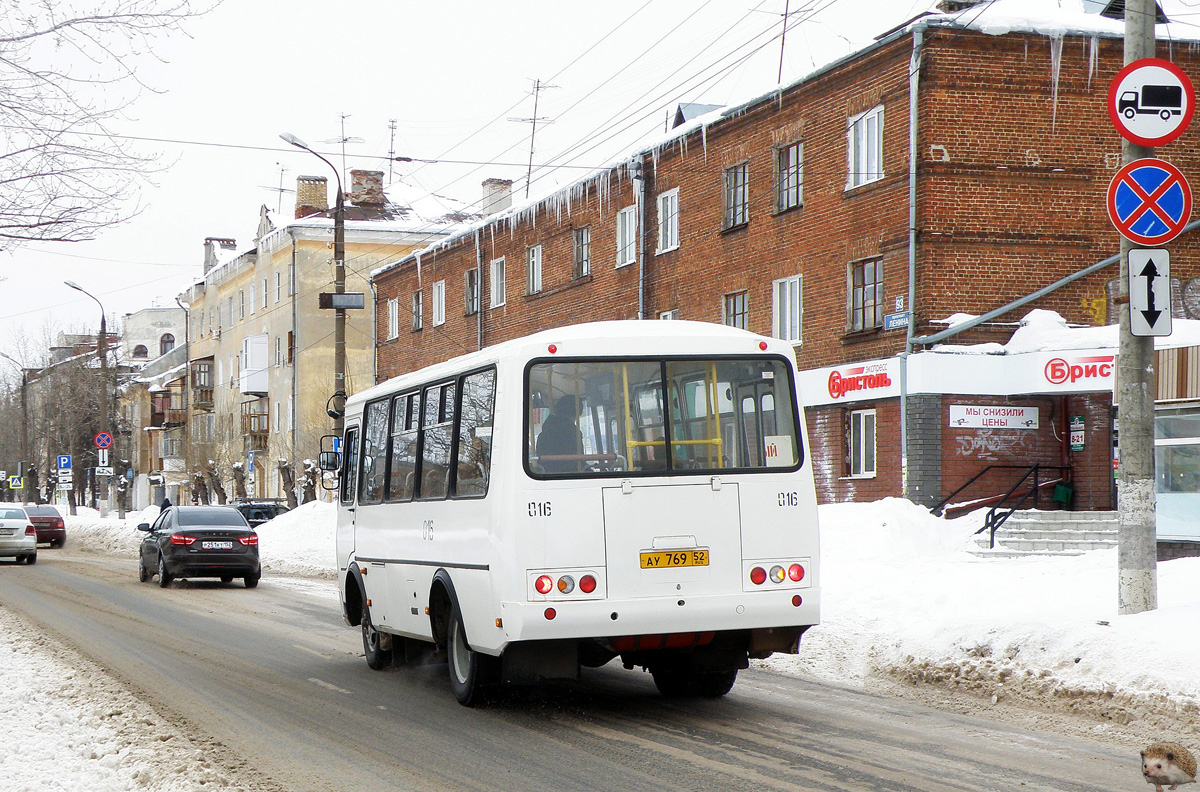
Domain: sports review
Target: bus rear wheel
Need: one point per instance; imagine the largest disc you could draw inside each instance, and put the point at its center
(377, 656)
(684, 680)
(470, 671)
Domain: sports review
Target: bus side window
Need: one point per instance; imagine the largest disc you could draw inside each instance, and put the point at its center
(374, 451)
(349, 464)
(474, 458)
(437, 427)
(402, 475)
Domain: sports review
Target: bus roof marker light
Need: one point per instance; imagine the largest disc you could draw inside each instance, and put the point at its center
(552, 348)
(762, 345)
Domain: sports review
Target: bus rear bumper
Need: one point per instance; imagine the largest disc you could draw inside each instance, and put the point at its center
(536, 621)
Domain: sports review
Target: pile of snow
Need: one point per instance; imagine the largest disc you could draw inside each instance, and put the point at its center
(70, 726)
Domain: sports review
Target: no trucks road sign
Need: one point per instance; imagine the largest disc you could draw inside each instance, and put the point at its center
(1151, 102)
(1149, 201)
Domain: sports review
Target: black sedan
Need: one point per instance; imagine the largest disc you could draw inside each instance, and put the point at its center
(199, 541)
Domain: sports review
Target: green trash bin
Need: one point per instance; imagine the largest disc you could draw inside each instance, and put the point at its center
(1063, 493)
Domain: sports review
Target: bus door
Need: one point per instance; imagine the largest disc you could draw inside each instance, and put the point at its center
(348, 486)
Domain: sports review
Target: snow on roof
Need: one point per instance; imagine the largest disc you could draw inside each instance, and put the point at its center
(993, 17)
(1044, 331)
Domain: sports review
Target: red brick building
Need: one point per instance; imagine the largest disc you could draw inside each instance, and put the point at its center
(790, 215)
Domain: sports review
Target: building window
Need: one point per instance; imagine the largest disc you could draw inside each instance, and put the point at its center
(789, 168)
(252, 299)
(737, 195)
(583, 252)
(439, 303)
(864, 147)
(230, 310)
(626, 236)
(417, 310)
(471, 291)
(862, 444)
(393, 318)
(166, 344)
(786, 309)
(278, 285)
(671, 314)
(497, 284)
(533, 269)
(736, 310)
(140, 351)
(278, 351)
(668, 221)
(242, 304)
(866, 295)
(264, 294)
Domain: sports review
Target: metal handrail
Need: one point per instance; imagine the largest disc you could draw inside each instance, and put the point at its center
(999, 513)
(936, 511)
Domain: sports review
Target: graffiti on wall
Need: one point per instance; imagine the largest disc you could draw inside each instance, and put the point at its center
(993, 445)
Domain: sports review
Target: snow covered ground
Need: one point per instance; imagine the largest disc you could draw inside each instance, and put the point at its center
(904, 604)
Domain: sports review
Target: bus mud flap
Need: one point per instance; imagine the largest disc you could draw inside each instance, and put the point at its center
(530, 662)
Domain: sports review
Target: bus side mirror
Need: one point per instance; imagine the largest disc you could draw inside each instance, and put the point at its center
(329, 460)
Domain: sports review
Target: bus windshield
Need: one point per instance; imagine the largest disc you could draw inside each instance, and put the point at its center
(661, 417)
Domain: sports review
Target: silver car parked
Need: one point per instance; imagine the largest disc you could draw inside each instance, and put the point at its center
(18, 537)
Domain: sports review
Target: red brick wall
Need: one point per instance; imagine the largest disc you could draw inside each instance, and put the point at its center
(828, 446)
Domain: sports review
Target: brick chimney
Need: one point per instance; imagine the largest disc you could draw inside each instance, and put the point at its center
(366, 188)
(312, 195)
(210, 250)
(497, 195)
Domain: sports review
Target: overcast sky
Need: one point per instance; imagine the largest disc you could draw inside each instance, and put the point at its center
(450, 74)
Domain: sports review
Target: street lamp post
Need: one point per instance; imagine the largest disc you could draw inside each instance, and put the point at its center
(102, 353)
(339, 287)
(25, 455)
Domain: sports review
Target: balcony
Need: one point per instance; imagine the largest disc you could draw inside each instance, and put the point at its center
(256, 424)
(202, 398)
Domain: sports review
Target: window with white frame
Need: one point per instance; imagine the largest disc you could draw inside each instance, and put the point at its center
(533, 269)
(251, 298)
(264, 294)
(418, 310)
(864, 147)
(439, 303)
(862, 443)
(278, 351)
(278, 285)
(787, 307)
(242, 303)
(471, 291)
(583, 252)
(291, 412)
(278, 418)
(737, 195)
(497, 282)
(393, 318)
(789, 174)
(626, 236)
(671, 314)
(736, 310)
(668, 221)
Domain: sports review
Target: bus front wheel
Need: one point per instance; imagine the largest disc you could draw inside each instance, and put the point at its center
(373, 643)
(470, 671)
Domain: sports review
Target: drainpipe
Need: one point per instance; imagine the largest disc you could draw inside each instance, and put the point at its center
(374, 332)
(639, 186)
(914, 74)
(479, 291)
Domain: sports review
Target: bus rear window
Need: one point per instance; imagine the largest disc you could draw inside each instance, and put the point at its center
(599, 417)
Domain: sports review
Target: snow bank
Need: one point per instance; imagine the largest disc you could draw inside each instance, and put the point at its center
(300, 542)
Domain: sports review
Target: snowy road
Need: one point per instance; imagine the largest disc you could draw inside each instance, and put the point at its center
(275, 684)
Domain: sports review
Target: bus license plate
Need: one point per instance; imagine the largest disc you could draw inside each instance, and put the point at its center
(217, 545)
(664, 559)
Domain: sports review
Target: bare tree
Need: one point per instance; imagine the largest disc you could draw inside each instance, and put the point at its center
(288, 477)
(214, 481)
(239, 480)
(309, 480)
(67, 71)
(200, 488)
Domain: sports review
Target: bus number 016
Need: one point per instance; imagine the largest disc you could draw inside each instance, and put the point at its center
(789, 499)
(539, 509)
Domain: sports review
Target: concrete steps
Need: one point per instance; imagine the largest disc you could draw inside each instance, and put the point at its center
(1050, 533)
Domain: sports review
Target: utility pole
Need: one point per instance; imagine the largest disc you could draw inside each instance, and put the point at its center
(1137, 543)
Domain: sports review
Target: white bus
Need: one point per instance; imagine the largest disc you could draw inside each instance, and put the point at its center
(625, 489)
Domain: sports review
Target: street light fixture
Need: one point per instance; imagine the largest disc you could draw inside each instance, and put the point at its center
(339, 287)
(102, 353)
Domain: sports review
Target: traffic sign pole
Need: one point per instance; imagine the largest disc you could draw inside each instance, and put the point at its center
(1137, 541)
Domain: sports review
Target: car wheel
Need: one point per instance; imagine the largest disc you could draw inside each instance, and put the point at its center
(226, 578)
(143, 573)
(164, 578)
(377, 656)
(251, 581)
(31, 559)
(470, 672)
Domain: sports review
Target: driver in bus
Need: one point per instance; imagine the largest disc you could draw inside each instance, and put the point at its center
(560, 436)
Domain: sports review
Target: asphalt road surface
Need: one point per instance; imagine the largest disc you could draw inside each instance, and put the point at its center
(272, 677)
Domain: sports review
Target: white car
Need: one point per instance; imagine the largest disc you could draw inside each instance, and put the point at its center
(18, 537)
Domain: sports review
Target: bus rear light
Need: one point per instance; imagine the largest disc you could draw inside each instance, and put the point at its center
(587, 584)
(544, 584)
(777, 574)
(758, 576)
(180, 539)
(796, 573)
(566, 584)
(797, 600)
(550, 614)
